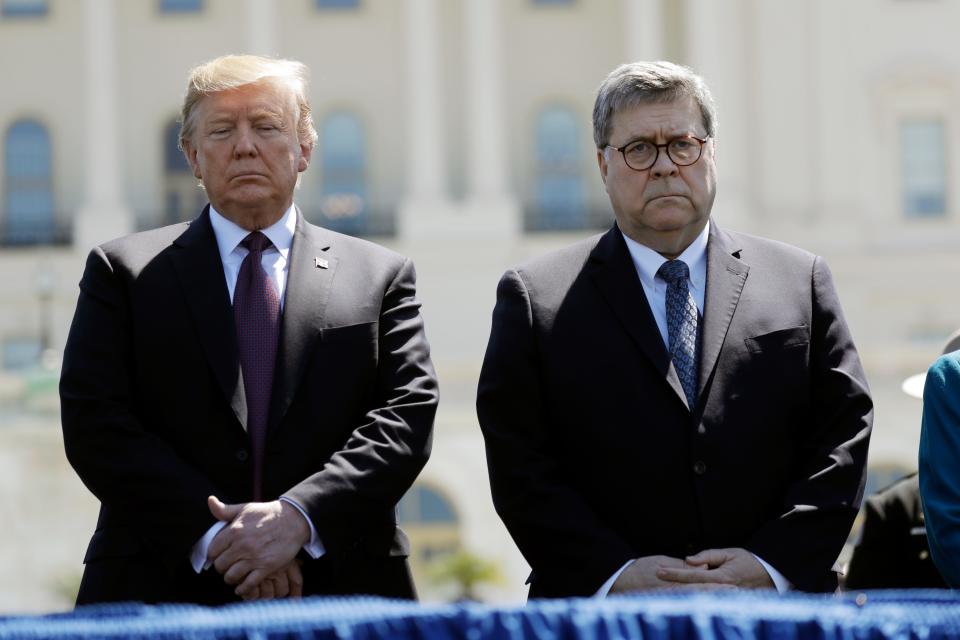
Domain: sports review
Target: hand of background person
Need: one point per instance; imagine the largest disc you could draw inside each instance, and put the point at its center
(285, 582)
(643, 574)
(260, 539)
(734, 567)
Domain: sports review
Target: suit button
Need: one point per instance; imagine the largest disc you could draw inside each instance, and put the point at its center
(242, 455)
(699, 467)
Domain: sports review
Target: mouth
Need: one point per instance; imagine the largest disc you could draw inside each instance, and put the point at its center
(247, 176)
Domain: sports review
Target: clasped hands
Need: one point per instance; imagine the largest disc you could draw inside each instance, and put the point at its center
(256, 551)
(709, 569)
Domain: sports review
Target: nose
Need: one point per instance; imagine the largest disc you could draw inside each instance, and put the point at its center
(664, 166)
(245, 143)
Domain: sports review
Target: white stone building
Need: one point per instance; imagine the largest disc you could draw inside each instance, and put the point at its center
(458, 132)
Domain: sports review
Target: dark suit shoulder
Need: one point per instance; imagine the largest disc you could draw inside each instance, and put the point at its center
(344, 244)
(901, 496)
(138, 249)
(560, 265)
(753, 248)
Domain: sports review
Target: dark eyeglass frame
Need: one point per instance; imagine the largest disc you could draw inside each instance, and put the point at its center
(665, 145)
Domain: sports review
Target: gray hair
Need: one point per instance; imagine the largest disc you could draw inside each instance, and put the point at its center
(644, 82)
(233, 71)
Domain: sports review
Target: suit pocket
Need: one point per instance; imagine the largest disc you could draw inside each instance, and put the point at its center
(350, 332)
(779, 340)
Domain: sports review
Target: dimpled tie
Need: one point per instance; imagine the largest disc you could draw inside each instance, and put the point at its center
(681, 325)
(256, 310)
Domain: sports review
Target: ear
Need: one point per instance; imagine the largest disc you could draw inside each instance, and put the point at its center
(190, 153)
(306, 152)
(602, 163)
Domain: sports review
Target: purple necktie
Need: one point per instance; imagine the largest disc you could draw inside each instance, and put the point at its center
(256, 310)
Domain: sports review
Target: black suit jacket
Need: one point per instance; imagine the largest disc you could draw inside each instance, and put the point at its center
(154, 412)
(595, 457)
(893, 551)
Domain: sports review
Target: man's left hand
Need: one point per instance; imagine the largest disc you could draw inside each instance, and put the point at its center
(734, 567)
(261, 537)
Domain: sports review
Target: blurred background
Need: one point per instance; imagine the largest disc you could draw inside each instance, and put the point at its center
(458, 133)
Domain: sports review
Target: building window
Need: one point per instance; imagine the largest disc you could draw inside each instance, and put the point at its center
(181, 6)
(337, 4)
(183, 197)
(432, 524)
(559, 197)
(343, 191)
(21, 354)
(28, 206)
(23, 8)
(923, 167)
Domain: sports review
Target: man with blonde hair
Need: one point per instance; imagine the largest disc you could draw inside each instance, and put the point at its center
(248, 395)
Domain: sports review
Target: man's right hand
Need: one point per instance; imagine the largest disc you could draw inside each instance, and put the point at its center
(641, 575)
(285, 582)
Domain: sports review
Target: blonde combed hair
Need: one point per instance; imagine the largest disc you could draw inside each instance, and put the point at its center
(234, 71)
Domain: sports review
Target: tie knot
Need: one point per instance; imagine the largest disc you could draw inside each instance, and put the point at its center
(673, 271)
(256, 242)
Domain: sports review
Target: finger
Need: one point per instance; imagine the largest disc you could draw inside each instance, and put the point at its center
(267, 591)
(706, 586)
(709, 557)
(221, 511)
(281, 586)
(688, 576)
(295, 577)
(253, 579)
(238, 572)
(253, 594)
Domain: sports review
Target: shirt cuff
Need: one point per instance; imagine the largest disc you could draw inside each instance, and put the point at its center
(781, 583)
(605, 589)
(198, 554)
(314, 548)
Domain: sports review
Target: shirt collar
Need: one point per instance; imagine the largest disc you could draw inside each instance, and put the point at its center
(648, 262)
(229, 234)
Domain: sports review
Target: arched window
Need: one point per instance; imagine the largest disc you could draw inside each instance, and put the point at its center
(343, 191)
(559, 197)
(28, 206)
(183, 198)
(431, 522)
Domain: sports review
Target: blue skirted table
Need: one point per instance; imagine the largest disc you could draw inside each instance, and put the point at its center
(878, 615)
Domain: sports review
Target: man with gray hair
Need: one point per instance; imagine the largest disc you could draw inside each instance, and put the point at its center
(247, 395)
(671, 403)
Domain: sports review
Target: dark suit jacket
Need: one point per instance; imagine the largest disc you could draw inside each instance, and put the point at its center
(154, 412)
(594, 456)
(893, 552)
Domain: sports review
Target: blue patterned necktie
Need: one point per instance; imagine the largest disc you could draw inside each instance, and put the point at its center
(681, 325)
(256, 310)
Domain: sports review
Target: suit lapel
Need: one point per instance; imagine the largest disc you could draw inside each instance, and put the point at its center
(309, 277)
(615, 275)
(726, 275)
(200, 271)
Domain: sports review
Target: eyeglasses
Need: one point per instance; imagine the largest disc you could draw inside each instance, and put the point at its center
(640, 155)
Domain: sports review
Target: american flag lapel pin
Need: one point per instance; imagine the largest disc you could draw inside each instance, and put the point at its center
(320, 263)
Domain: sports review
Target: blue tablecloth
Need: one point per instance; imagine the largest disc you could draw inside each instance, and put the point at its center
(878, 615)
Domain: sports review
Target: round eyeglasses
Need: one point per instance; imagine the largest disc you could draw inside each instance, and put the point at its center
(640, 155)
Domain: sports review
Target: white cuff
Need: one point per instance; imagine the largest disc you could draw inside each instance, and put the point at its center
(314, 548)
(781, 583)
(198, 554)
(605, 589)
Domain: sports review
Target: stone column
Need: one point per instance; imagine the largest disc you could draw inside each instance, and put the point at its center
(717, 37)
(426, 179)
(261, 27)
(104, 215)
(644, 22)
(488, 191)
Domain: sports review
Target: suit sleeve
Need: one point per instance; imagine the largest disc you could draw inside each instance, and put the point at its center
(827, 476)
(874, 563)
(126, 466)
(939, 456)
(385, 453)
(560, 536)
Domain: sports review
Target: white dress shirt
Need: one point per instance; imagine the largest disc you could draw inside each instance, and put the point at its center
(647, 262)
(275, 261)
